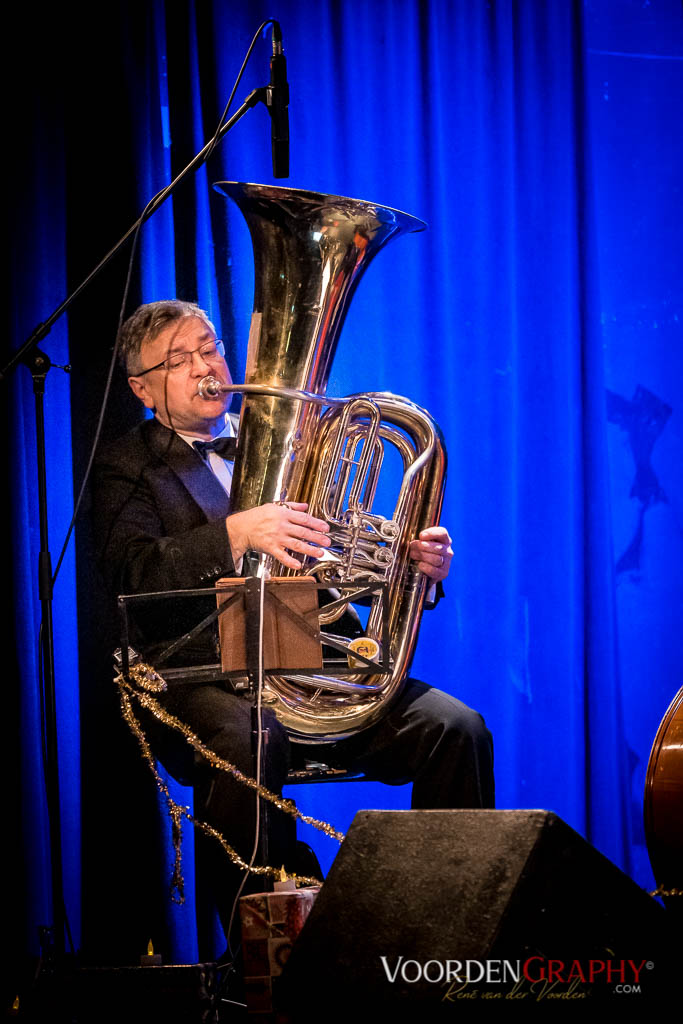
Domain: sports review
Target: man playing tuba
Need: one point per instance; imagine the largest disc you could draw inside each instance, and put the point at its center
(163, 522)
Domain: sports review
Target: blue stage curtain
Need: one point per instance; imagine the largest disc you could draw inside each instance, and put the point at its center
(37, 284)
(475, 118)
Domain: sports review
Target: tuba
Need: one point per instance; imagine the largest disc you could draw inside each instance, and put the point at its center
(295, 443)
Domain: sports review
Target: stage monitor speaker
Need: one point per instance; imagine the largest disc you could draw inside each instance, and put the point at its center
(444, 907)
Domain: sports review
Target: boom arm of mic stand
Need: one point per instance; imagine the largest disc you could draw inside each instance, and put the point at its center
(44, 328)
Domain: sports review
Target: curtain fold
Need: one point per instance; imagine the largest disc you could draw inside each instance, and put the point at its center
(37, 284)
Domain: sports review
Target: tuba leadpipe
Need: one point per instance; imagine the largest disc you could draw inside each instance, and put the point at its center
(296, 443)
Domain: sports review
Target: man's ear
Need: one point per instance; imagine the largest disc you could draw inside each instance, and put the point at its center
(139, 389)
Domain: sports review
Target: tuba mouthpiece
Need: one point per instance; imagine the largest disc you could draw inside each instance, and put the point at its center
(209, 387)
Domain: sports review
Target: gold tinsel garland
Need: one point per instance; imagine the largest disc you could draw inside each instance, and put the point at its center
(148, 681)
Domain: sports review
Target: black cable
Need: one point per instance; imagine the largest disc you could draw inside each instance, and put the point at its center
(112, 365)
(224, 115)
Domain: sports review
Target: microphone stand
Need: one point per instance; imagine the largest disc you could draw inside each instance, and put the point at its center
(39, 364)
(44, 328)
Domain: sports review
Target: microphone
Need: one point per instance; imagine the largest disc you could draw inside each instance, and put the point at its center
(277, 101)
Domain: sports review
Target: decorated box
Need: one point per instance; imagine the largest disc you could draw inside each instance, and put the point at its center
(271, 922)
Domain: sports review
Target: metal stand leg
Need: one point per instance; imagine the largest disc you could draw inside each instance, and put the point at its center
(252, 599)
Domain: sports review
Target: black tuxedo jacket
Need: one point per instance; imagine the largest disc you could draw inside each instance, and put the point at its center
(159, 521)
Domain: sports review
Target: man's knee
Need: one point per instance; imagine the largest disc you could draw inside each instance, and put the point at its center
(444, 715)
(468, 725)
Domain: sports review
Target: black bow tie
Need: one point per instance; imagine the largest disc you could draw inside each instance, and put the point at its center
(223, 446)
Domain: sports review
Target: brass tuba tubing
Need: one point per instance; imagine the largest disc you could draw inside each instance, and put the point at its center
(296, 443)
(209, 387)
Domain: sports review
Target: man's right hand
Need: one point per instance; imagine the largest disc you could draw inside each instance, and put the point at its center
(277, 530)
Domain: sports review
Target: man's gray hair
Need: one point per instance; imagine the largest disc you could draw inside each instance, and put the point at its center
(147, 323)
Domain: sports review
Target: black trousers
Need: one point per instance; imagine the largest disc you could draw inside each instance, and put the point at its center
(428, 738)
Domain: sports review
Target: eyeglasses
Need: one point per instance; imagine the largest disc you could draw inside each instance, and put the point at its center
(211, 351)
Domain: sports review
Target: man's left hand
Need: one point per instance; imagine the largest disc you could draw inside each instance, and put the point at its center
(433, 552)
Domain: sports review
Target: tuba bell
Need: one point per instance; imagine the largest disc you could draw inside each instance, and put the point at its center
(295, 443)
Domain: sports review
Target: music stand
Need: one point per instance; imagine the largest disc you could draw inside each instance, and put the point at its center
(290, 637)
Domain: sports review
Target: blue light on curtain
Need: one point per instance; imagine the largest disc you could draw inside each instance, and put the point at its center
(506, 319)
(37, 286)
(634, 76)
